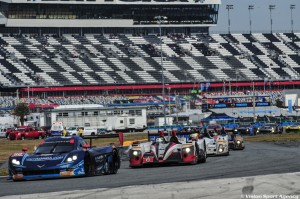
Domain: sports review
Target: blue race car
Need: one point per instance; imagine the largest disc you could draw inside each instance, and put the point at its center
(64, 157)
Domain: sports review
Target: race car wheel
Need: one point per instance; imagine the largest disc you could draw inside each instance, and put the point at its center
(106, 167)
(203, 158)
(116, 162)
(88, 166)
(23, 137)
(196, 156)
(40, 137)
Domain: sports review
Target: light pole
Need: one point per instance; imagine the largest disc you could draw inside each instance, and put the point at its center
(28, 92)
(254, 103)
(250, 7)
(229, 7)
(234, 113)
(169, 88)
(292, 7)
(271, 7)
(160, 20)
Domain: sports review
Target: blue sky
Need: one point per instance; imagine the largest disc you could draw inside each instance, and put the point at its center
(239, 16)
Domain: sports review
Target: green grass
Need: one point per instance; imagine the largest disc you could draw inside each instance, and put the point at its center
(3, 172)
(274, 137)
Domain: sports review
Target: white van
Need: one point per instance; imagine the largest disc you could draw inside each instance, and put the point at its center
(89, 131)
(86, 131)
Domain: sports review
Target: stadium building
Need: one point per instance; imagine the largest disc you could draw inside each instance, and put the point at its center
(107, 16)
(67, 48)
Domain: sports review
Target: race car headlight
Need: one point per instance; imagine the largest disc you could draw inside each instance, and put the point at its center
(238, 142)
(235, 129)
(135, 153)
(187, 150)
(221, 148)
(247, 130)
(71, 159)
(15, 162)
(74, 157)
(19, 134)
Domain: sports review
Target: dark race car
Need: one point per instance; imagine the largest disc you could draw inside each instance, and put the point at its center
(214, 127)
(63, 157)
(236, 141)
(247, 129)
(269, 128)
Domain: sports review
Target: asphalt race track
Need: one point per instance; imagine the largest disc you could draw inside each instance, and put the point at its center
(256, 159)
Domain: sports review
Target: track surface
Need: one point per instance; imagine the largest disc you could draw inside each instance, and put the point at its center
(256, 159)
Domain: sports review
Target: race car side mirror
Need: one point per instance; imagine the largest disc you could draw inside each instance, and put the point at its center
(86, 146)
(24, 149)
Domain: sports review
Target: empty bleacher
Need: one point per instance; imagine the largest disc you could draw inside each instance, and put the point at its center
(128, 59)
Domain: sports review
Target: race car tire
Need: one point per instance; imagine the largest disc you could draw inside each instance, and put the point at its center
(88, 166)
(106, 167)
(227, 154)
(196, 157)
(23, 137)
(116, 162)
(203, 158)
(40, 137)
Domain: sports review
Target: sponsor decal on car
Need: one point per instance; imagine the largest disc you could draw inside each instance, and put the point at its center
(45, 158)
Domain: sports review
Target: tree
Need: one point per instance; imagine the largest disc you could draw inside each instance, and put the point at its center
(21, 111)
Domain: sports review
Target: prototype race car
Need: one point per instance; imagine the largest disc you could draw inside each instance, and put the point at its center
(64, 157)
(236, 141)
(161, 149)
(216, 144)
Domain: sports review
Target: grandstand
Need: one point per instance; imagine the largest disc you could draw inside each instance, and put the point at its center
(103, 47)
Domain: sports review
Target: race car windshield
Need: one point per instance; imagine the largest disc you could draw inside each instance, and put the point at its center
(296, 123)
(212, 126)
(21, 130)
(55, 147)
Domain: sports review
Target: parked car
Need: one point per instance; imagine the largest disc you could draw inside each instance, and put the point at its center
(26, 132)
(86, 131)
(5, 131)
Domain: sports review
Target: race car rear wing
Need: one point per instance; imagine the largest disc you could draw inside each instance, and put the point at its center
(152, 136)
(114, 135)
